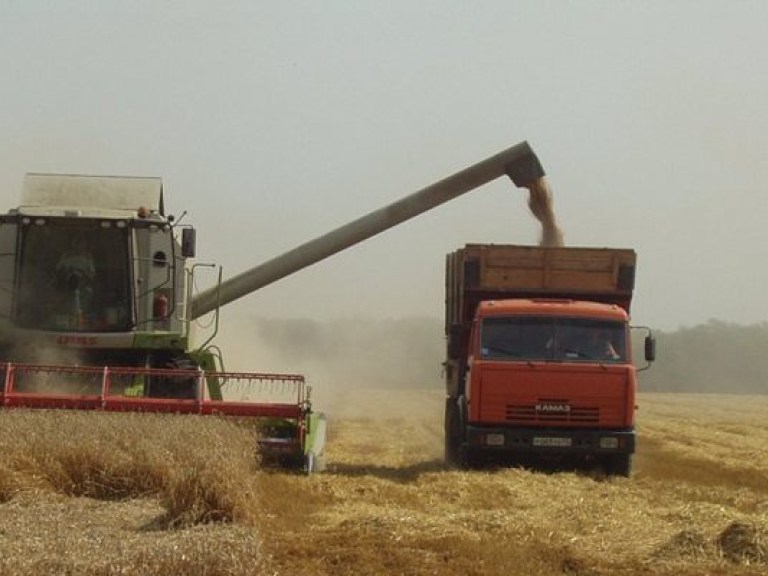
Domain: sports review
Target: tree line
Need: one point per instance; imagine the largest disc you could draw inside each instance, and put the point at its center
(715, 357)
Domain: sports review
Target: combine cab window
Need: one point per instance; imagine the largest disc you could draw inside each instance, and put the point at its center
(553, 339)
(74, 277)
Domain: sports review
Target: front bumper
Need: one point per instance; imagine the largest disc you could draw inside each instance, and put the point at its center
(581, 441)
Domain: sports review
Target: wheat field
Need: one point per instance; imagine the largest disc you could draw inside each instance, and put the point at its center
(103, 494)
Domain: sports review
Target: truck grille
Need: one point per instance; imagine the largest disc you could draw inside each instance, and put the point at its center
(552, 411)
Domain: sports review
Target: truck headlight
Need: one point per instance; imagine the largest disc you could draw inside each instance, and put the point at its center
(609, 443)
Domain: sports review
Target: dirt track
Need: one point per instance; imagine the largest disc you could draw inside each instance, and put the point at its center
(697, 504)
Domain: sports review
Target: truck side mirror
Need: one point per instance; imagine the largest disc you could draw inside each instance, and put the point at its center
(188, 242)
(650, 348)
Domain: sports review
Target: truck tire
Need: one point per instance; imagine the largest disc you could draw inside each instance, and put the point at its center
(619, 465)
(454, 452)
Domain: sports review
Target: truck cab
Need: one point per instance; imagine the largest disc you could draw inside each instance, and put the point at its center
(539, 360)
(549, 374)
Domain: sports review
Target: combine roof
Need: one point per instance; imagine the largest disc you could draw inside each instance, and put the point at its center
(91, 195)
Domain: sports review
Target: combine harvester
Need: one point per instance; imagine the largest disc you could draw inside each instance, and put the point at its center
(96, 303)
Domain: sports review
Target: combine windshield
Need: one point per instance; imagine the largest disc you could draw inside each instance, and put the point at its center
(74, 276)
(553, 339)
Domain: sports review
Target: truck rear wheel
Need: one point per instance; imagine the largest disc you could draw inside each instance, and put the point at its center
(454, 452)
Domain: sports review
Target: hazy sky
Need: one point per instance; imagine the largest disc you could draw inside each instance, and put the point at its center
(273, 122)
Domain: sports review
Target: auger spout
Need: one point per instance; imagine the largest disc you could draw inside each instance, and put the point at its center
(519, 162)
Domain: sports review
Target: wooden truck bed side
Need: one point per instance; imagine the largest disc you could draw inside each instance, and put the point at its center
(496, 271)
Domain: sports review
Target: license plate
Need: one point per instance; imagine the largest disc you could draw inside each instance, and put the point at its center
(552, 441)
(494, 439)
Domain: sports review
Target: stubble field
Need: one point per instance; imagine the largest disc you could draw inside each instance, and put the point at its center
(132, 494)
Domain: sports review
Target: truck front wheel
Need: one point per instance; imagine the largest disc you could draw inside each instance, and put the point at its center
(619, 465)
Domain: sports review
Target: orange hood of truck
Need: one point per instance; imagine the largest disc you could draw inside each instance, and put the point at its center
(553, 394)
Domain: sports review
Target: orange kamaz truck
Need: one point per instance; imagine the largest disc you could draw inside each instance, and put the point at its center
(539, 362)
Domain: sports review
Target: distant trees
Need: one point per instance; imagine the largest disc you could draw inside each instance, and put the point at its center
(717, 357)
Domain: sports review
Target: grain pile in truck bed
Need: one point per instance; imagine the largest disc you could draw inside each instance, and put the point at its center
(698, 503)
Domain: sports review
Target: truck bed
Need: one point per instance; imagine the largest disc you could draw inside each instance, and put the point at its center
(499, 271)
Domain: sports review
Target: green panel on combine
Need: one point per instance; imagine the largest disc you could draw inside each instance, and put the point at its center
(207, 361)
(314, 447)
(155, 341)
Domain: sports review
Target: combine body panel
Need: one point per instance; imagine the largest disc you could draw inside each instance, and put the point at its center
(539, 358)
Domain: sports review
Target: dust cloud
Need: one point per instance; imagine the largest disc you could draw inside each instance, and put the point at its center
(342, 357)
(38, 351)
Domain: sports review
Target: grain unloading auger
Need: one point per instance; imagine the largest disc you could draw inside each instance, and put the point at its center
(96, 302)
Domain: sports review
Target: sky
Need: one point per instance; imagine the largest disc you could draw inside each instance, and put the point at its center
(272, 123)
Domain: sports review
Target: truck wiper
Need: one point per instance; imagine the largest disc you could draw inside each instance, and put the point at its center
(504, 351)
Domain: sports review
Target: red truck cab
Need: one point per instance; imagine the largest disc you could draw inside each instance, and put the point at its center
(539, 360)
(551, 374)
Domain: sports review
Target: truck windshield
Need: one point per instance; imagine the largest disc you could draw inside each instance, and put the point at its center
(553, 339)
(73, 276)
